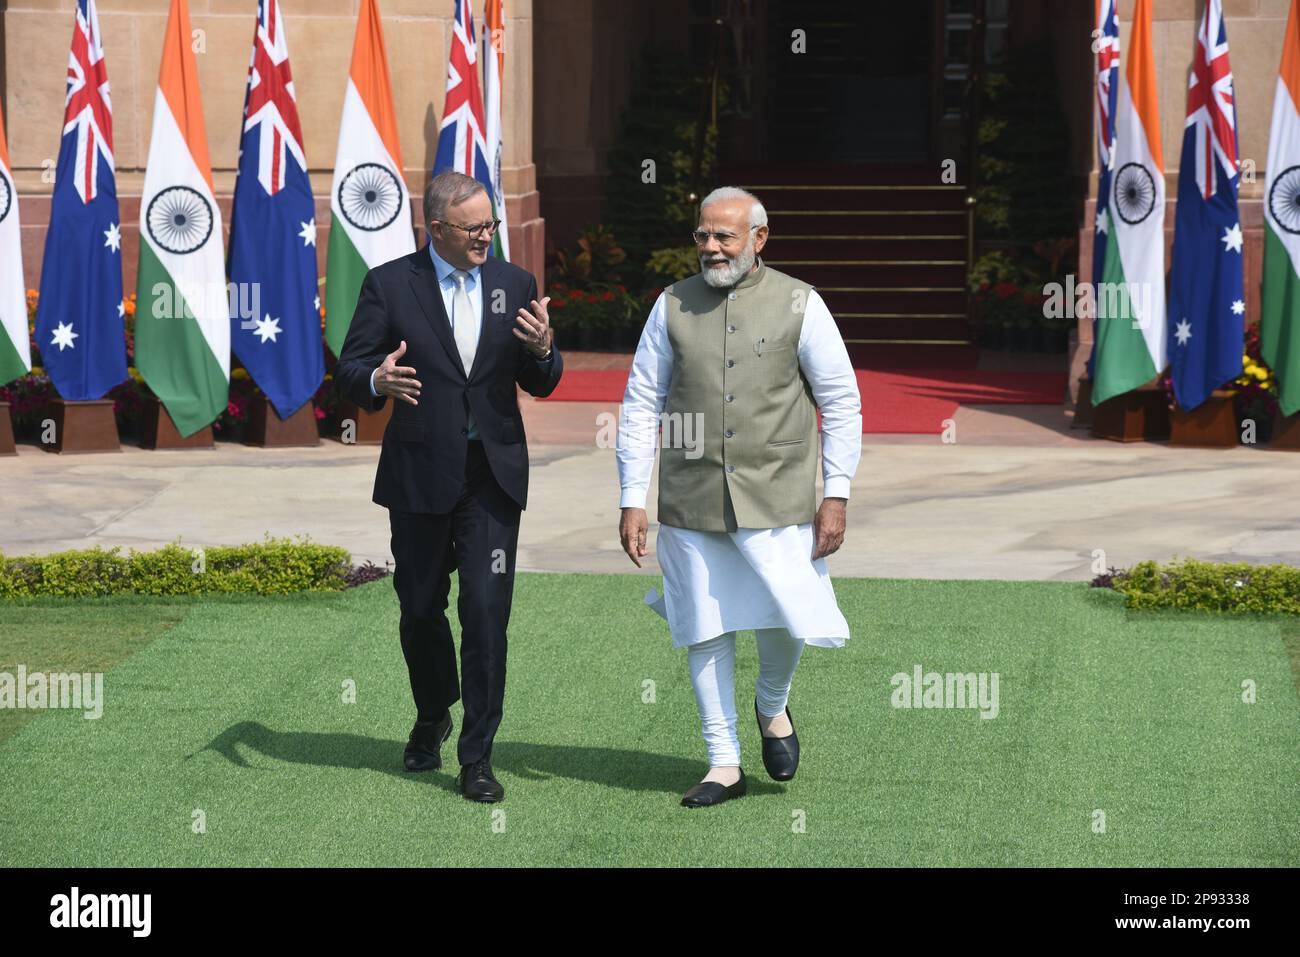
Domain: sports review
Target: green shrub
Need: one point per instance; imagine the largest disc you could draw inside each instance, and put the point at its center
(1194, 585)
(273, 567)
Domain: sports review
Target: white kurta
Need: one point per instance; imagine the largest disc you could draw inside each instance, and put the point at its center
(716, 582)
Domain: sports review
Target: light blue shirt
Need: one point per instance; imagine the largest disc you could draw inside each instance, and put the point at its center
(447, 286)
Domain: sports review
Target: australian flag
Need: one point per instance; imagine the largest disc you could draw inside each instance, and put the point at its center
(1207, 305)
(1105, 44)
(80, 320)
(273, 233)
(461, 143)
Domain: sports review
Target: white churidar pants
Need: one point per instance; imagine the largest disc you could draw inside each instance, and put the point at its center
(713, 672)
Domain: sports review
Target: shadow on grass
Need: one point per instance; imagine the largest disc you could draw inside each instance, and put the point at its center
(611, 767)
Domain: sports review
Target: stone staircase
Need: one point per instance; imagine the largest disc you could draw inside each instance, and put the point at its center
(885, 245)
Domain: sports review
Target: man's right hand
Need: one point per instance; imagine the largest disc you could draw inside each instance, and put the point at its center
(632, 529)
(397, 381)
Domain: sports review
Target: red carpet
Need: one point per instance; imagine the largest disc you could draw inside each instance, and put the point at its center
(913, 401)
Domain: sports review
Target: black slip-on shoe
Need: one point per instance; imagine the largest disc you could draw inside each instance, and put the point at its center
(708, 793)
(780, 755)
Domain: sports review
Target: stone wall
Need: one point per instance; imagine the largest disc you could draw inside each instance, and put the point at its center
(35, 35)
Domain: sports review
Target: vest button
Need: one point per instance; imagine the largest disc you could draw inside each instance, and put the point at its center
(730, 363)
(731, 468)
(728, 433)
(731, 295)
(729, 397)
(731, 328)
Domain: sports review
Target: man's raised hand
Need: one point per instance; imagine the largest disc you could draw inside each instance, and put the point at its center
(397, 381)
(534, 328)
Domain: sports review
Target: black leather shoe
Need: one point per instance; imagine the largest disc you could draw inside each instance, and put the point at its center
(780, 755)
(424, 749)
(478, 784)
(708, 793)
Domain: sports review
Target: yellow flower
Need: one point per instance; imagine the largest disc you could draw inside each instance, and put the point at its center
(38, 370)
(239, 373)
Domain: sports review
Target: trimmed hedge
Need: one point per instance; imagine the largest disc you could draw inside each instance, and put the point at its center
(1194, 585)
(273, 567)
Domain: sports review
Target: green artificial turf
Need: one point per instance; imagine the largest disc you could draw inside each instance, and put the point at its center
(234, 708)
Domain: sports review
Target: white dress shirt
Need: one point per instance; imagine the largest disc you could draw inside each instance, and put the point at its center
(447, 286)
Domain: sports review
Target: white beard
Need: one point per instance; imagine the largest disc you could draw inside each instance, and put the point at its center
(735, 270)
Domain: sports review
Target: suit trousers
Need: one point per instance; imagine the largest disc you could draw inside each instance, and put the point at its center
(478, 539)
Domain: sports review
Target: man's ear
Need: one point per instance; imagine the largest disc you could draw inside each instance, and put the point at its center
(760, 238)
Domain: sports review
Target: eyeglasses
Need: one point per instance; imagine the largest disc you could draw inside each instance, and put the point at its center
(701, 236)
(476, 230)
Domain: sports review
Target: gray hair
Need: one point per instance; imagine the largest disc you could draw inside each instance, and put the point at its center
(757, 214)
(448, 188)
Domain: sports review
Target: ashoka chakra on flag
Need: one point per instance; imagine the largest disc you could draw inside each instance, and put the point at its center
(1135, 193)
(6, 196)
(370, 196)
(1284, 199)
(179, 219)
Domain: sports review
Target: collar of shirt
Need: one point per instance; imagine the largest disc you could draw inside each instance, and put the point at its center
(444, 269)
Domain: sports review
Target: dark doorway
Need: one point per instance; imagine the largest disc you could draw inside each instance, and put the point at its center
(828, 81)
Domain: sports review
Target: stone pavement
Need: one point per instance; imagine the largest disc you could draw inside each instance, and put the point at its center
(1018, 496)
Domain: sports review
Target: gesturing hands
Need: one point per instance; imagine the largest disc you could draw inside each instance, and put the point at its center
(535, 328)
(397, 381)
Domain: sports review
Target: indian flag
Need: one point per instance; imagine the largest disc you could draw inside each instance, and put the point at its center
(1279, 323)
(182, 320)
(15, 353)
(370, 207)
(1130, 346)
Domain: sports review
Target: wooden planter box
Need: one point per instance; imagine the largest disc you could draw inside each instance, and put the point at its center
(265, 428)
(1138, 416)
(158, 431)
(1286, 433)
(1211, 425)
(83, 427)
(370, 426)
(7, 446)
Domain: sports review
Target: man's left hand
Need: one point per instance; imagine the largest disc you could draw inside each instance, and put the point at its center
(828, 527)
(534, 329)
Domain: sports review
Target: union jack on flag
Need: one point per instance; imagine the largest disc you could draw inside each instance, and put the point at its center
(1211, 108)
(461, 144)
(272, 102)
(80, 316)
(275, 328)
(1106, 43)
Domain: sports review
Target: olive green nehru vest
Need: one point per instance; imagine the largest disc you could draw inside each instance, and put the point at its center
(739, 441)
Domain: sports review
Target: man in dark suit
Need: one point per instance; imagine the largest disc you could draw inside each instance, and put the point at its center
(447, 332)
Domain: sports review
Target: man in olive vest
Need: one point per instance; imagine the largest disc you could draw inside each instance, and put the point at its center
(732, 366)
